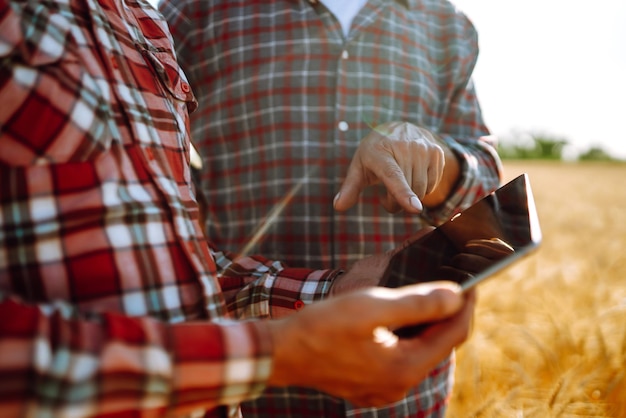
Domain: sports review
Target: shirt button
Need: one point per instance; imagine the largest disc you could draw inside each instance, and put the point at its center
(345, 55)
(113, 61)
(297, 305)
(149, 154)
(343, 126)
(185, 87)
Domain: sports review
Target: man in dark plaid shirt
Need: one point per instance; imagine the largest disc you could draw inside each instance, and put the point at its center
(294, 110)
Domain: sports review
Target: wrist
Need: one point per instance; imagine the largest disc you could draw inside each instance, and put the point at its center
(284, 371)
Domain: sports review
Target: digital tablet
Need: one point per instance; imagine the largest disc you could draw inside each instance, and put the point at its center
(498, 230)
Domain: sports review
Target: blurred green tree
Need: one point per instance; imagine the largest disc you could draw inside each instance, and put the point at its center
(533, 146)
(595, 153)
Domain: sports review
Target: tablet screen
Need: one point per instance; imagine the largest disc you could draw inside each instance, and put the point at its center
(491, 234)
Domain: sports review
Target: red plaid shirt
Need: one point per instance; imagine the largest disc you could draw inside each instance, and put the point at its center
(284, 100)
(110, 299)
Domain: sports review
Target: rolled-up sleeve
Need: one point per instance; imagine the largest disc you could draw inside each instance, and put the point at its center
(256, 287)
(463, 128)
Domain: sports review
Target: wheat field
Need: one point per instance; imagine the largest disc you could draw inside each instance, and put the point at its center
(549, 334)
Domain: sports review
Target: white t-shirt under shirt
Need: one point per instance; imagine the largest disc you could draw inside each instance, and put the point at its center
(344, 11)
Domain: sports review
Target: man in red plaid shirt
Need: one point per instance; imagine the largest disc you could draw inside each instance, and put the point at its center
(314, 99)
(111, 302)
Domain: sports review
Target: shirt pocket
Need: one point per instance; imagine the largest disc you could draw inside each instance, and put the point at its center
(170, 76)
(56, 107)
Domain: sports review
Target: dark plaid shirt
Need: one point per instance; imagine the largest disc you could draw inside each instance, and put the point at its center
(284, 99)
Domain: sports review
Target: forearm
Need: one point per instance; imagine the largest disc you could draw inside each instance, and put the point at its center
(58, 366)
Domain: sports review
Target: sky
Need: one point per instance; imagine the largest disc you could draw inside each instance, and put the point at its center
(555, 67)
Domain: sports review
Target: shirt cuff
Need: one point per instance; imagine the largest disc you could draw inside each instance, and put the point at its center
(470, 185)
(295, 288)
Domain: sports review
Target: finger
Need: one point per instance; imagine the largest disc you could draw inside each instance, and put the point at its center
(395, 181)
(470, 263)
(494, 249)
(498, 243)
(489, 253)
(435, 170)
(351, 187)
(451, 331)
(420, 173)
(452, 274)
(420, 183)
(390, 203)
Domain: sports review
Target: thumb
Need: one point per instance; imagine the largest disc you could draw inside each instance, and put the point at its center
(423, 303)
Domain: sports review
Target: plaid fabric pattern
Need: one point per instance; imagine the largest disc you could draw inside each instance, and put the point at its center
(284, 99)
(110, 298)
